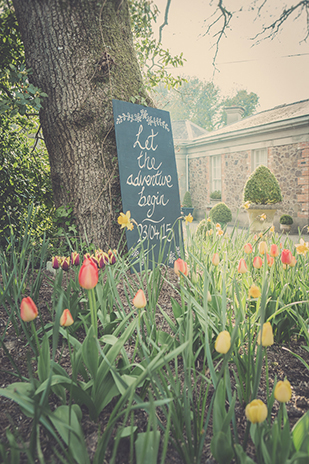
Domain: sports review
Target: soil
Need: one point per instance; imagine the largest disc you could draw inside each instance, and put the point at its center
(281, 363)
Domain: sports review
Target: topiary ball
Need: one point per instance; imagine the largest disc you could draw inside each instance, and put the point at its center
(262, 187)
(221, 214)
(202, 228)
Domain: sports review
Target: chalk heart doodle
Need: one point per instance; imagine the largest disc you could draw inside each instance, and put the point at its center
(148, 175)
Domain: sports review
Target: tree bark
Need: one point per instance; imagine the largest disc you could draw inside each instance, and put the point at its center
(81, 54)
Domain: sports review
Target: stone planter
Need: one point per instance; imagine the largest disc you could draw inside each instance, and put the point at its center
(285, 228)
(255, 213)
(185, 210)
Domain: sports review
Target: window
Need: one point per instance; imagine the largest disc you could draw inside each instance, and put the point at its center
(215, 173)
(258, 157)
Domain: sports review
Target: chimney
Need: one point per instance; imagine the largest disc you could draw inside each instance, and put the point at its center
(233, 114)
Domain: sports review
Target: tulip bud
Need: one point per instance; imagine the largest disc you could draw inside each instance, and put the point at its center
(274, 250)
(56, 262)
(194, 278)
(254, 291)
(223, 342)
(255, 237)
(270, 260)
(75, 258)
(88, 275)
(112, 256)
(263, 247)
(256, 411)
(180, 266)
(208, 296)
(283, 391)
(139, 300)
(257, 262)
(286, 256)
(267, 335)
(100, 259)
(293, 262)
(242, 266)
(248, 248)
(215, 259)
(28, 310)
(66, 318)
(65, 263)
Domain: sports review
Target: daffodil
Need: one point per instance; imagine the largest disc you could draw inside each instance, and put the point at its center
(208, 219)
(246, 205)
(302, 247)
(220, 232)
(272, 229)
(188, 218)
(125, 220)
(262, 217)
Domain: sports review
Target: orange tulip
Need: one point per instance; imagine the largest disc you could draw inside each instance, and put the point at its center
(139, 300)
(28, 310)
(248, 248)
(257, 262)
(88, 275)
(274, 250)
(270, 260)
(180, 266)
(66, 318)
(286, 256)
(242, 266)
(215, 259)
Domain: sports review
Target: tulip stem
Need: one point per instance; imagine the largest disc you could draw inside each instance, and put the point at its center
(35, 336)
(266, 373)
(93, 311)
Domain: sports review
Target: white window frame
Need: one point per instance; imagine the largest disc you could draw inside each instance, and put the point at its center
(216, 176)
(258, 157)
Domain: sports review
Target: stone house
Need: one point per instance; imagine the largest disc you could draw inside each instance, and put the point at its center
(224, 159)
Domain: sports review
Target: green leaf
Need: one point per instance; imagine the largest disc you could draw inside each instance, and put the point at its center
(90, 353)
(221, 448)
(147, 447)
(300, 432)
(44, 360)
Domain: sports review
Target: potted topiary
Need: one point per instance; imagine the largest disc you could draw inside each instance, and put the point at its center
(186, 207)
(215, 196)
(221, 214)
(286, 222)
(262, 193)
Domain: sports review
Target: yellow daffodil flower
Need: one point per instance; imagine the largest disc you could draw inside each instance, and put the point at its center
(302, 247)
(188, 218)
(246, 205)
(262, 217)
(125, 221)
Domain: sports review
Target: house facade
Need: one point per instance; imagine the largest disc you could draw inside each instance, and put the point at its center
(224, 159)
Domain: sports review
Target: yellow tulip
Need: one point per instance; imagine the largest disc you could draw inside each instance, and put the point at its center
(223, 342)
(267, 335)
(256, 411)
(283, 391)
(254, 291)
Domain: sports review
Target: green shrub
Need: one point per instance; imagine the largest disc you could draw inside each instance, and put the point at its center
(215, 195)
(202, 228)
(262, 187)
(286, 219)
(187, 202)
(221, 214)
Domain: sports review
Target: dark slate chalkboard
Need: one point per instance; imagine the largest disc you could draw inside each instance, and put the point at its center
(148, 178)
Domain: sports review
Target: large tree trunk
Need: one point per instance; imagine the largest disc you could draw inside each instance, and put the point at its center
(81, 54)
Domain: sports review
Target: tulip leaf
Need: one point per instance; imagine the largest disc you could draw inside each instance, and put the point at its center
(241, 454)
(147, 447)
(65, 421)
(90, 352)
(44, 360)
(300, 433)
(221, 448)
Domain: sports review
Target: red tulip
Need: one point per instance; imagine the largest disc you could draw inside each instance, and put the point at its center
(242, 266)
(112, 256)
(139, 300)
(28, 309)
(274, 250)
(88, 275)
(286, 256)
(180, 266)
(66, 318)
(257, 262)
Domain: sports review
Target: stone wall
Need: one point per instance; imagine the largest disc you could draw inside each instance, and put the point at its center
(199, 184)
(236, 168)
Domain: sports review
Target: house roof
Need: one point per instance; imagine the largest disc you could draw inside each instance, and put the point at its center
(279, 113)
(185, 130)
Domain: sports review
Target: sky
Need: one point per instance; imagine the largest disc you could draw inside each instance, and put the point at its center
(276, 70)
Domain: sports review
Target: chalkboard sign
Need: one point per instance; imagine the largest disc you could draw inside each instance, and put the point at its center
(148, 179)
